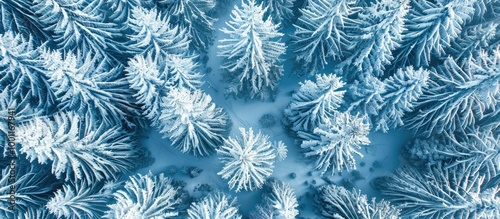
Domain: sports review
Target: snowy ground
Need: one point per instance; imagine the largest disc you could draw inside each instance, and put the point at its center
(384, 148)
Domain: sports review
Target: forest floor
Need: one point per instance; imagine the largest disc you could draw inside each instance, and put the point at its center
(384, 149)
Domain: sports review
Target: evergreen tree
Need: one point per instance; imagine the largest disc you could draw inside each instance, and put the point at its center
(457, 97)
(19, 17)
(77, 26)
(401, 92)
(152, 78)
(32, 187)
(192, 122)
(196, 16)
(248, 160)
(21, 71)
(315, 103)
(320, 34)
(251, 53)
(279, 201)
(430, 29)
(479, 147)
(76, 149)
(146, 196)
(473, 40)
(279, 10)
(89, 86)
(120, 10)
(337, 202)
(80, 200)
(151, 31)
(376, 34)
(460, 191)
(334, 144)
(216, 205)
(365, 97)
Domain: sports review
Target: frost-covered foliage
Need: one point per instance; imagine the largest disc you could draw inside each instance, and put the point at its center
(376, 34)
(152, 78)
(216, 205)
(119, 10)
(146, 196)
(18, 17)
(74, 149)
(457, 97)
(314, 103)
(77, 25)
(365, 97)
(334, 144)
(21, 70)
(87, 85)
(320, 34)
(479, 147)
(278, 201)
(472, 41)
(248, 160)
(431, 27)
(23, 111)
(281, 150)
(32, 184)
(151, 31)
(80, 200)
(279, 10)
(401, 91)
(251, 53)
(41, 212)
(337, 202)
(145, 77)
(192, 121)
(460, 191)
(195, 16)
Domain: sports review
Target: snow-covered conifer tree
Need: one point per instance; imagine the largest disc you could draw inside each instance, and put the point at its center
(460, 191)
(147, 78)
(281, 150)
(75, 149)
(152, 78)
(183, 72)
(192, 121)
(478, 148)
(19, 17)
(337, 202)
(89, 86)
(365, 97)
(41, 212)
(77, 25)
(320, 34)
(473, 40)
(457, 97)
(278, 201)
(430, 28)
(80, 200)
(376, 34)
(248, 160)
(400, 95)
(146, 196)
(32, 186)
(279, 10)
(334, 144)
(21, 70)
(216, 205)
(315, 102)
(251, 53)
(120, 10)
(196, 16)
(151, 31)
